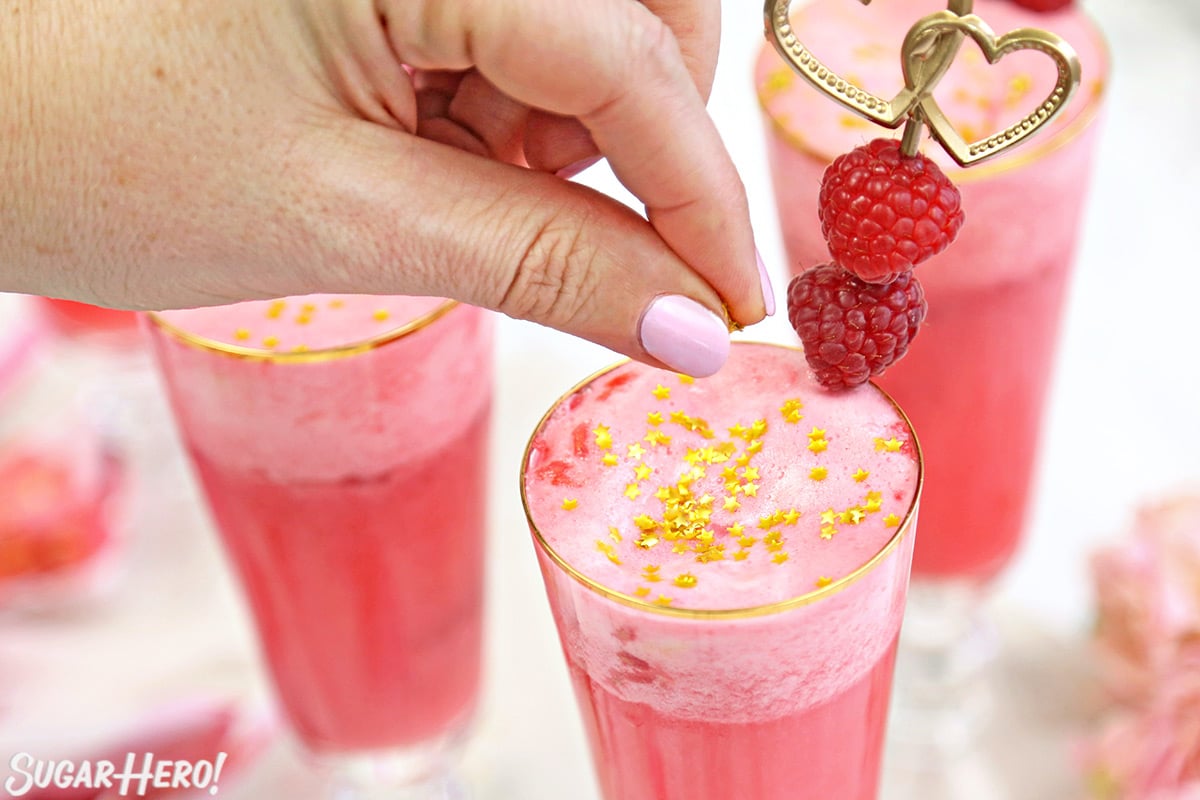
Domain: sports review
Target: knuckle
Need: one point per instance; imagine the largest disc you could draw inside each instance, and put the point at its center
(555, 273)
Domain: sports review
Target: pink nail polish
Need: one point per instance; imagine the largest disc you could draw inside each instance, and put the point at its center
(571, 170)
(684, 335)
(764, 279)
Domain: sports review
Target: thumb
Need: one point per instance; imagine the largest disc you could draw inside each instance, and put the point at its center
(398, 214)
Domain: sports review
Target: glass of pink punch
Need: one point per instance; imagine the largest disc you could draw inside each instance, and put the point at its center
(342, 444)
(726, 560)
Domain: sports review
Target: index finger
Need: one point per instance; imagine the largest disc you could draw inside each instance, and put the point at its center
(619, 69)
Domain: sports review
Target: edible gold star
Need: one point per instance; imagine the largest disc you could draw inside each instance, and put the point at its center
(632, 491)
(642, 591)
(827, 531)
(603, 437)
(610, 460)
(791, 516)
(891, 520)
(732, 504)
(241, 334)
(818, 445)
(822, 582)
(654, 418)
(270, 341)
(570, 504)
(686, 379)
(779, 558)
(661, 392)
(861, 475)
(635, 451)
(642, 471)
(685, 580)
(275, 310)
(381, 314)
(818, 473)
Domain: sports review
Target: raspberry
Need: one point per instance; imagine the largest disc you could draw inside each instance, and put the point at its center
(883, 213)
(1042, 6)
(853, 330)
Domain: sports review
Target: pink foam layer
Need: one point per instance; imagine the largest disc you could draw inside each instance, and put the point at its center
(313, 322)
(347, 417)
(824, 465)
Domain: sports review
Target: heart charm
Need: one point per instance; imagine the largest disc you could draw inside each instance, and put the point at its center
(931, 56)
(937, 28)
(928, 51)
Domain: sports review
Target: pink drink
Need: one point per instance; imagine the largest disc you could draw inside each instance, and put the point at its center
(70, 318)
(344, 461)
(975, 379)
(726, 561)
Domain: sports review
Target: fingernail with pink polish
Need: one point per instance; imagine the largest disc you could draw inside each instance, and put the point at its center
(571, 170)
(684, 335)
(768, 291)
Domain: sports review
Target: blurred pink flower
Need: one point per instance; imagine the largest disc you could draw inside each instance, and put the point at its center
(1147, 642)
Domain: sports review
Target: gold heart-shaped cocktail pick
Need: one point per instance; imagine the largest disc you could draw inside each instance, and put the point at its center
(935, 28)
(928, 51)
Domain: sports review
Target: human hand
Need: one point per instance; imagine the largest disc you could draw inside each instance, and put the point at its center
(176, 153)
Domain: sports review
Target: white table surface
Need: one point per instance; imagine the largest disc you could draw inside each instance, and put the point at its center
(1124, 428)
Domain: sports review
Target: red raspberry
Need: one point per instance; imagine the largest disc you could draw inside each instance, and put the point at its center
(1042, 6)
(883, 213)
(853, 330)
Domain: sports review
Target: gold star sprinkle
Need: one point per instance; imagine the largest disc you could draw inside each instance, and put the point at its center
(661, 392)
(828, 516)
(736, 529)
(271, 341)
(300, 348)
(750, 473)
(303, 319)
(737, 431)
(732, 504)
(750, 489)
(892, 445)
(308, 308)
(657, 437)
(827, 531)
(632, 491)
(818, 445)
(336, 303)
(685, 580)
(570, 504)
(275, 310)
(818, 473)
(610, 460)
(779, 558)
(686, 379)
(741, 555)
(755, 446)
(891, 520)
(816, 433)
(654, 418)
(791, 517)
(663, 600)
(642, 591)
(603, 437)
(861, 475)
(822, 582)
(635, 451)
(241, 334)
(614, 533)
(645, 522)
(647, 540)
(381, 314)
(642, 471)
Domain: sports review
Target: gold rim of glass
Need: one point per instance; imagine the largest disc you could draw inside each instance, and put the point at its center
(903, 530)
(1038, 148)
(304, 356)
